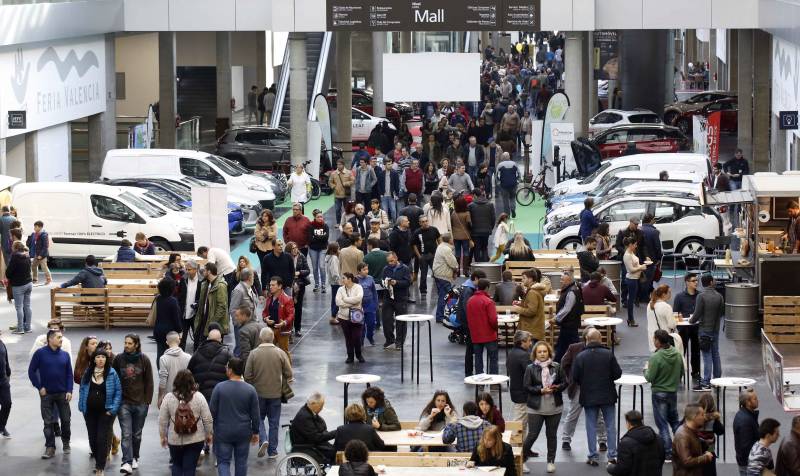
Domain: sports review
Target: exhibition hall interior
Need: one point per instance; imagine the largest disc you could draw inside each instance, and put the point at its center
(547, 236)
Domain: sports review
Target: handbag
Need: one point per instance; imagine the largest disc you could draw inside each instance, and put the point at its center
(356, 315)
(253, 247)
(657, 275)
(286, 392)
(151, 315)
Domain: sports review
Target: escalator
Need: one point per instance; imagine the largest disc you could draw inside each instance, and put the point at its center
(317, 46)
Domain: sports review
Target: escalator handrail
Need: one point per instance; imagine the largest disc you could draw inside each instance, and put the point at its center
(280, 93)
(322, 66)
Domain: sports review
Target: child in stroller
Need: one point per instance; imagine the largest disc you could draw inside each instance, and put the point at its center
(451, 317)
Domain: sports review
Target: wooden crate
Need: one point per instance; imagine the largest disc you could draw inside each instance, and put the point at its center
(137, 270)
(129, 306)
(782, 319)
(79, 307)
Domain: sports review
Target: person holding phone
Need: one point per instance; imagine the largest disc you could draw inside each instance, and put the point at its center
(437, 413)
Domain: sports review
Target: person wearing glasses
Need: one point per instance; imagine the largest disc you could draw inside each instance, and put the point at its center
(684, 304)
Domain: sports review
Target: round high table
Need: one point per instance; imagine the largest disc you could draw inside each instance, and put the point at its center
(722, 384)
(634, 381)
(610, 323)
(347, 379)
(488, 379)
(506, 320)
(416, 320)
(684, 323)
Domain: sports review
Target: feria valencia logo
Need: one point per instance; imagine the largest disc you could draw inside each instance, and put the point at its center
(20, 76)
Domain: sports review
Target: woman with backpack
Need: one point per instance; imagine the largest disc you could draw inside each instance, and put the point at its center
(100, 397)
(184, 423)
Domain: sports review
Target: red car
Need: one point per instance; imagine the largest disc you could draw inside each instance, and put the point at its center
(649, 138)
(729, 115)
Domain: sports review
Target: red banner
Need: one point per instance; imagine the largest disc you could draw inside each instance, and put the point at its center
(712, 137)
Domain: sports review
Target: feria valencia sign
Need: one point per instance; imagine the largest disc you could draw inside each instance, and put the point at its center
(53, 82)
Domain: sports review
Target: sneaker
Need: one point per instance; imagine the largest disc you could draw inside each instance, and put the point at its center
(603, 446)
(275, 456)
(566, 446)
(611, 461)
(48, 453)
(387, 346)
(126, 468)
(701, 388)
(28, 331)
(349, 361)
(316, 289)
(525, 469)
(66, 449)
(398, 348)
(135, 463)
(262, 450)
(668, 460)
(298, 334)
(551, 467)
(18, 332)
(4, 434)
(412, 301)
(324, 291)
(592, 462)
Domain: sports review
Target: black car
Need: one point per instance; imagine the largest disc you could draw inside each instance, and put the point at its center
(255, 147)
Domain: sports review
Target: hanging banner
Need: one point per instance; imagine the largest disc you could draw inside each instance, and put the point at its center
(606, 54)
(712, 136)
(322, 112)
(556, 111)
(313, 143)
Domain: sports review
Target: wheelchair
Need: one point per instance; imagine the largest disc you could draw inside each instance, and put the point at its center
(300, 460)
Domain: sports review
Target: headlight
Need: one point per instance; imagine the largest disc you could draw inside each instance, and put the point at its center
(256, 187)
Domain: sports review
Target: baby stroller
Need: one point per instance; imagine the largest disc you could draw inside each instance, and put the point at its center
(451, 317)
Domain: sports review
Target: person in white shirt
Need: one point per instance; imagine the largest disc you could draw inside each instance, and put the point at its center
(41, 341)
(192, 281)
(299, 183)
(225, 266)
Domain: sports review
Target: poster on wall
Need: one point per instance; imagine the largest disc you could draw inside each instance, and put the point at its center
(606, 54)
(53, 83)
(712, 136)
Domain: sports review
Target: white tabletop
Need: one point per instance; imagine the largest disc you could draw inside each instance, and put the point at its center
(486, 379)
(434, 471)
(551, 298)
(414, 317)
(603, 321)
(507, 318)
(358, 378)
(424, 438)
(732, 382)
(630, 379)
(791, 376)
(114, 282)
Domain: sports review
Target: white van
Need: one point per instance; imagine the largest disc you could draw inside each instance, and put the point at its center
(88, 218)
(176, 164)
(680, 162)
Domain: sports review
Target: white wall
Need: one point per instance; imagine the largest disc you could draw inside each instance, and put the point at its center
(237, 87)
(15, 156)
(53, 153)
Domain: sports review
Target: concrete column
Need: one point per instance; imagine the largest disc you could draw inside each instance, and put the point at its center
(761, 100)
(745, 92)
(690, 48)
(31, 157)
(298, 98)
(713, 65)
(344, 91)
(484, 41)
(575, 80)
(378, 48)
(167, 91)
(224, 87)
(592, 108)
(733, 60)
(669, 69)
(405, 42)
(103, 126)
(474, 46)
(642, 62)
(261, 59)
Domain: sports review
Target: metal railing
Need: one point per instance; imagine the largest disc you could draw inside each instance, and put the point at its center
(187, 136)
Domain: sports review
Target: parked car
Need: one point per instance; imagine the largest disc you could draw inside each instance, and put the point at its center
(362, 100)
(254, 147)
(278, 187)
(90, 218)
(649, 138)
(616, 117)
(694, 103)
(684, 223)
(363, 124)
(729, 115)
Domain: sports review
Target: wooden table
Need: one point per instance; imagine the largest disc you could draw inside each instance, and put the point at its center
(121, 283)
(428, 470)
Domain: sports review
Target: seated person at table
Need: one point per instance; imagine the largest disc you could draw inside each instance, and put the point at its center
(507, 291)
(356, 454)
(437, 413)
(489, 412)
(355, 429)
(89, 277)
(125, 253)
(492, 451)
(595, 293)
(467, 431)
(309, 432)
(606, 281)
(380, 413)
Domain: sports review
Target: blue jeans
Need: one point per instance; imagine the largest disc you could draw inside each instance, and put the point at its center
(389, 205)
(22, 303)
(442, 288)
(131, 421)
(271, 409)
(370, 318)
(339, 205)
(609, 417)
(461, 249)
(227, 450)
(711, 359)
(508, 200)
(491, 349)
(633, 296)
(665, 409)
(317, 262)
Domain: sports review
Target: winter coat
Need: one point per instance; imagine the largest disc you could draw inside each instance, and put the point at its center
(370, 180)
(445, 265)
(309, 429)
(394, 182)
(787, 463)
(532, 383)
(169, 364)
(274, 265)
(39, 247)
(208, 365)
(333, 271)
(263, 236)
(267, 369)
(402, 275)
(400, 242)
(745, 434)
(212, 306)
(356, 469)
(531, 317)
(296, 229)
(483, 217)
(88, 277)
(249, 338)
(385, 415)
(687, 453)
(243, 295)
(285, 312)
(168, 317)
(347, 299)
(125, 254)
(595, 370)
(148, 249)
(200, 410)
(358, 431)
(639, 453)
(341, 182)
(113, 392)
(482, 318)
(516, 365)
(461, 225)
(320, 235)
(18, 271)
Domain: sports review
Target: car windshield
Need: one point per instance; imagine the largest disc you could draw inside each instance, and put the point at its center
(596, 173)
(148, 209)
(177, 188)
(163, 198)
(192, 182)
(604, 188)
(220, 162)
(235, 165)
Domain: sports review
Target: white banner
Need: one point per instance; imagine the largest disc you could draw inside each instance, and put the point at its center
(785, 76)
(313, 144)
(699, 134)
(55, 82)
(562, 134)
(536, 146)
(323, 116)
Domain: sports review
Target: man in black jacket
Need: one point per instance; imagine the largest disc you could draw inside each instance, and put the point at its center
(278, 263)
(595, 371)
(570, 420)
(587, 259)
(209, 363)
(309, 432)
(482, 216)
(745, 427)
(640, 451)
(518, 360)
(396, 279)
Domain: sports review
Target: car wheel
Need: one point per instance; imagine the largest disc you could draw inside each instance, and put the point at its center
(691, 246)
(570, 244)
(161, 246)
(685, 126)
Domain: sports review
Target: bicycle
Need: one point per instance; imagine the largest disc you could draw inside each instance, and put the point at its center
(283, 168)
(526, 194)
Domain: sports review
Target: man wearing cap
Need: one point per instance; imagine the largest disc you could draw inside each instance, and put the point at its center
(375, 231)
(792, 233)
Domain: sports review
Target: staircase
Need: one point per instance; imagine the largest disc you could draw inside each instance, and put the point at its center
(313, 52)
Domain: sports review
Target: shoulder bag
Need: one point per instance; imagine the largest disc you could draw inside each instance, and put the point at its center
(356, 313)
(151, 316)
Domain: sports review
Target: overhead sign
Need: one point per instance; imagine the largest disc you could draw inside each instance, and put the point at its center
(433, 15)
(606, 54)
(16, 120)
(788, 120)
(52, 83)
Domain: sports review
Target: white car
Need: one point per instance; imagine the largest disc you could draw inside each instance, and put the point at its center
(684, 223)
(615, 117)
(363, 124)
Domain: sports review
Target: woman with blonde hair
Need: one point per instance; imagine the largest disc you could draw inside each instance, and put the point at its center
(266, 230)
(659, 314)
(543, 382)
(242, 263)
(519, 250)
(493, 451)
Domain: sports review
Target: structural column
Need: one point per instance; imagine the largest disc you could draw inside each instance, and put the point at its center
(744, 79)
(344, 91)
(713, 61)
(405, 42)
(474, 46)
(575, 54)
(167, 91)
(733, 60)
(642, 62)
(592, 107)
(669, 68)
(761, 100)
(224, 88)
(298, 98)
(484, 41)
(378, 48)
(261, 60)
(103, 126)
(690, 49)
(31, 157)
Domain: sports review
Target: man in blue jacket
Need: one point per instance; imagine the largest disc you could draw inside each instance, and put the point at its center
(39, 246)
(388, 188)
(50, 371)
(396, 279)
(89, 277)
(234, 407)
(588, 220)
(745, 428)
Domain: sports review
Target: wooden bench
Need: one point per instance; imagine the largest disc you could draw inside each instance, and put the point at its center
(79, 307)
(129, 306)
(519, 267)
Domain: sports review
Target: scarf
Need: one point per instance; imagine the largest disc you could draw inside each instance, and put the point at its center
(132, 357)
(547, 379)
